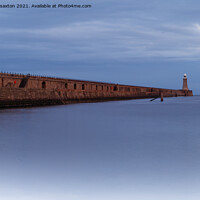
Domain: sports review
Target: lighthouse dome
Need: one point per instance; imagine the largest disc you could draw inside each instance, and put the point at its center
(185, 75)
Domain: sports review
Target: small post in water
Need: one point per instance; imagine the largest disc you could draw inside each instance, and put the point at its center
(161, 97)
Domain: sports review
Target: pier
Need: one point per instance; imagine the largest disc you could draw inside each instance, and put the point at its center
(19, 90)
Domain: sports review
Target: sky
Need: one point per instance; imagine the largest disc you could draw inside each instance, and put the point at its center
(148, 43)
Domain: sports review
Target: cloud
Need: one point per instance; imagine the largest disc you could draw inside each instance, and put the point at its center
(112, 30)
(106, 40)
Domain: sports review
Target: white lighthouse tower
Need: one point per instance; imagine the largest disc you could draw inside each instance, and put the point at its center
(185, 85)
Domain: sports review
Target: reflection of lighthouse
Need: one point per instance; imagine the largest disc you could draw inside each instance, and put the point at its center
(185, 86)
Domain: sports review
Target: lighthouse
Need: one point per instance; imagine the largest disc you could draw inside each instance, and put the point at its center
(185, 86)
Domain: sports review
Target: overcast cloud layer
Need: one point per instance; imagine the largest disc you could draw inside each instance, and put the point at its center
(117, 41)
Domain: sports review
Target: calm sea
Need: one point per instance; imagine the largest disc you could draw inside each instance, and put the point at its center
(122, 150)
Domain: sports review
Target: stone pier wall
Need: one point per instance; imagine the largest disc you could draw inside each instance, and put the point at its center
(26, 90)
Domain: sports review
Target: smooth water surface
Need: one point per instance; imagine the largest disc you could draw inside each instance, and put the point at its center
(122, 150)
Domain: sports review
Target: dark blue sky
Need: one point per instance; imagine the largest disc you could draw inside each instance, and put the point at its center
(150, 43)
